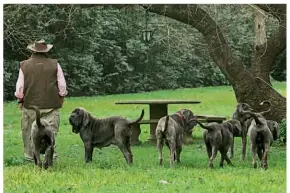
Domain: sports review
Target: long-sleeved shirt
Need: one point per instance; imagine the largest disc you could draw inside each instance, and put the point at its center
(62, 91)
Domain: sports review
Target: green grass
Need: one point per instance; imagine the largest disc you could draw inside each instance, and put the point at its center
(109, 173)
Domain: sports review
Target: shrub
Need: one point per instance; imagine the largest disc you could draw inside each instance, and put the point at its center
(283, 129)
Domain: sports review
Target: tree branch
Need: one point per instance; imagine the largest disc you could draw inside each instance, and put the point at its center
(275, 44)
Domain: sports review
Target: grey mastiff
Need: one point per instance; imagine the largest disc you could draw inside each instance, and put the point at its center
(103, 132)
(170, 130)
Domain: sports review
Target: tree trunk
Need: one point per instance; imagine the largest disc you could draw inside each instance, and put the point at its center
(247, 87)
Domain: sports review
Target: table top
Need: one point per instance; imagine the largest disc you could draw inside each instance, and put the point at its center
(158, 102)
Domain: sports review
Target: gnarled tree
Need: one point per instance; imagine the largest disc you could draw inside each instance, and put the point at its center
(250, 87)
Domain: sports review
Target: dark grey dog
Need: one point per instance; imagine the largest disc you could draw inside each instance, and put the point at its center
(260, 136)
(243, 119)
(170, 129)
(274, 128)
(42, 140)
(218, 137)
(237, 132)
(103, 132)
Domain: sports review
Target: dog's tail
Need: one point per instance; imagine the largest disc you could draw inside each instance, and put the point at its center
(165, 124)
(254, 115)
(205, 127)
(270, 107)
(38, 123)
(139, 118)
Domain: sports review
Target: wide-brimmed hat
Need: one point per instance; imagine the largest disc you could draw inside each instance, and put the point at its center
(39, 46)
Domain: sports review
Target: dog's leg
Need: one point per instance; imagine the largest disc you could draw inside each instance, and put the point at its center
(265, 155)
(36, 153)
(124, 150)
(48, 157)
(128, 147)
(37, 157)
(179, 148)
(178, 152)
(254, 153)
(228, 160)
(159, 149)
(232, 149)
(260, 154)
(222, 159)
(208, 150)
(172, 153)
(214, 153)
(88, 151)
(244, 144)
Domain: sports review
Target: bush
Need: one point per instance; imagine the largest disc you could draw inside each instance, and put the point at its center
(283, 130)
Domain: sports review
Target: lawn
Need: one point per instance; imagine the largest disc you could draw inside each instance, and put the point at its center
(109, 173)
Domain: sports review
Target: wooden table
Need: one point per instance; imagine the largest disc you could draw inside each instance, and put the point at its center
(157, 109)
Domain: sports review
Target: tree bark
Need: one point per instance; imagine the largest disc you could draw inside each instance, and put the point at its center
(260, 68)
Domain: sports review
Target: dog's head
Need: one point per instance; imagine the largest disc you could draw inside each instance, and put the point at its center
(235, 127)
(189, 119)
(79, 118)
(239, 111)
(274, 128)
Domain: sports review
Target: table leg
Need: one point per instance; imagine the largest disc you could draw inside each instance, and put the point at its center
(156, 112)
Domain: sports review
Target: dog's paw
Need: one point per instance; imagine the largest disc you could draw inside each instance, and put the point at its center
(45, 165)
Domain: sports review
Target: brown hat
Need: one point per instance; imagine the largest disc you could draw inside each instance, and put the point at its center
(39, 46)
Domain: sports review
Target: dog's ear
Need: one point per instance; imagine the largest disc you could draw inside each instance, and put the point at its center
(86, 117)
(189, 118)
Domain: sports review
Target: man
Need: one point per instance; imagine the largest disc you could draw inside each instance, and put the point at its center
(41, 83)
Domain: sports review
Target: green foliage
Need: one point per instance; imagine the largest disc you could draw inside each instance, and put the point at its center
(109, 173)
(101, 52)
(11, 71)
(283, 130)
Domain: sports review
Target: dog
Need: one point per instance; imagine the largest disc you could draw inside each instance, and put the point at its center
(103, 132)
(237, 132)
(260, 136)
(243, 119)
(218, 137)
(274, 128)
(170, 129)
(43, 140)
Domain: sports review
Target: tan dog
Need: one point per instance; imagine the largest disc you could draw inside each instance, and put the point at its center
(260, 136)
(170, 129)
